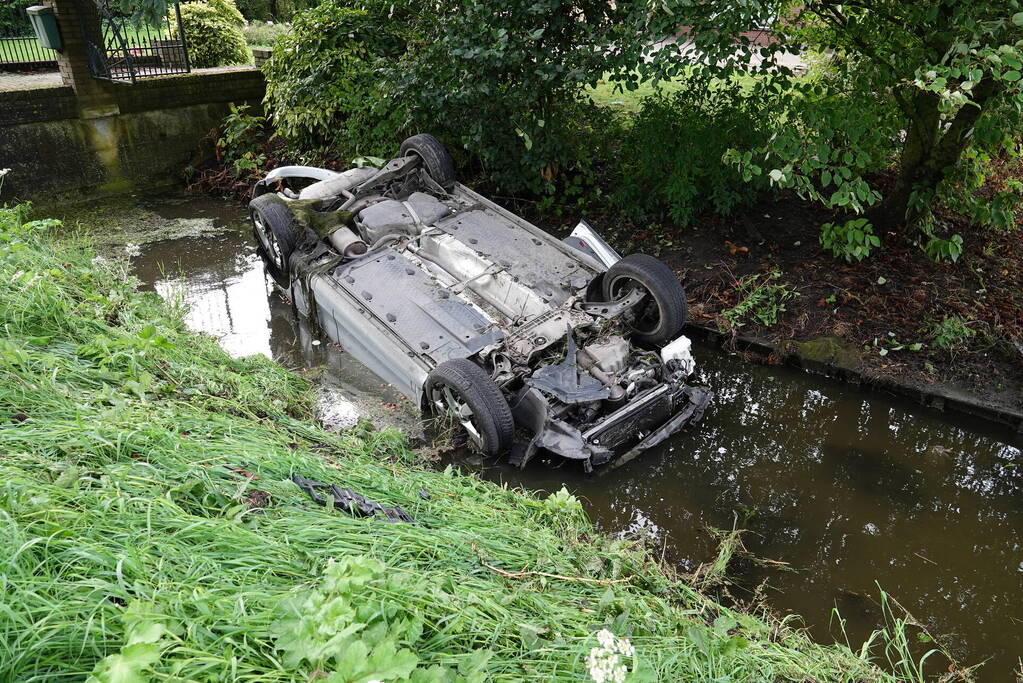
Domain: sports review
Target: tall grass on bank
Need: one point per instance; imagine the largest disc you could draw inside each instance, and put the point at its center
(149, 530)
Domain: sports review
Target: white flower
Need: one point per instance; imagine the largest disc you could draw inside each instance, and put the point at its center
(132, 249)
(4, 171)
(605, 663)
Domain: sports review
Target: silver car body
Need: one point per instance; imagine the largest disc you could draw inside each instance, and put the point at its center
(449, 274)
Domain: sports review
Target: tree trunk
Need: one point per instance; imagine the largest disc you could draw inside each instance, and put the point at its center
(928, 154)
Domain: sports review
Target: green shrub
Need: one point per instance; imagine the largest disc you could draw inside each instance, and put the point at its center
(503, 81)
(241, 141)
(507, 79)
(852, 240)
(324, 83)
(672, 153)
(13, 19)
(264, 32)
(213, 31)
(285, 10)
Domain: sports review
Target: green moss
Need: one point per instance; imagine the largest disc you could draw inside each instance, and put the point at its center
(830, 350)
(308, 215)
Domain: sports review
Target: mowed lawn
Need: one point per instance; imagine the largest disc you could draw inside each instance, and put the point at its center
(24, 50)
(28, 49)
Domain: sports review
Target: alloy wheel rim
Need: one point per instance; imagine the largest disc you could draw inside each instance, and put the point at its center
(269, 241)
(447, 402)
(645, 316)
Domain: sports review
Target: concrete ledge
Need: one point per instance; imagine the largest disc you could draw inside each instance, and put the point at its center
(941, 398)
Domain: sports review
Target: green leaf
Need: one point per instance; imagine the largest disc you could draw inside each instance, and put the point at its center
(734, 644)
(723, 624)
(472, 667)
(1011, 75)
(1017, 18)
(700, 638)
(127, 665)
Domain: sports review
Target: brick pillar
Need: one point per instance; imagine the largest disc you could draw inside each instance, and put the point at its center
(95, 97)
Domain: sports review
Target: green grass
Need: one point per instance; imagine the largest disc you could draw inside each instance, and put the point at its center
(18, 49)
(149, 530)
(608, 94)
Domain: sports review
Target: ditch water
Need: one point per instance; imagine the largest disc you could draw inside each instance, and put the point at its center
(851, 490)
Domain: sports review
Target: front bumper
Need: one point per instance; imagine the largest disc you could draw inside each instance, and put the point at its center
(642, 423)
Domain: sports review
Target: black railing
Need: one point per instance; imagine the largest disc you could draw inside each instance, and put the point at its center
(19, 49)
(124, 51)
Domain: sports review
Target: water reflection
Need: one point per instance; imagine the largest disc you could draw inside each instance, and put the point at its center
(849, 488)
(220, 279)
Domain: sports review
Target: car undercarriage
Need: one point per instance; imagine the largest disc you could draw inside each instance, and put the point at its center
(479, 316)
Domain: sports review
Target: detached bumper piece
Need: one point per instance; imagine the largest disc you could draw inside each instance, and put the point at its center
(694, 401)
(639, 425)
(350, 501)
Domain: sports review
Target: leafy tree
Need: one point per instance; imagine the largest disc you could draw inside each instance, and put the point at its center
(13, 18)
(933, 84)
(506, 79)
(324, 81)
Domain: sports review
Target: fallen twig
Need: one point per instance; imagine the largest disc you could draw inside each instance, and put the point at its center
(519, 575)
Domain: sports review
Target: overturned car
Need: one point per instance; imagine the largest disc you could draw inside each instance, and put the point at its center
(476, 314)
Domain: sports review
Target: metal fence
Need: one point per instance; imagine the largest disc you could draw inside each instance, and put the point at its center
(124, 51)
(19, 49)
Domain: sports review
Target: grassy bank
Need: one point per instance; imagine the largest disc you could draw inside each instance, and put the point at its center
(149, 528)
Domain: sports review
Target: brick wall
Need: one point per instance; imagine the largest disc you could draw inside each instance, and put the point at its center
(43, 104)
(208, 87)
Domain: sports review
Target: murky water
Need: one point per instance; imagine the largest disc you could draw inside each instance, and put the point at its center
(847, 488)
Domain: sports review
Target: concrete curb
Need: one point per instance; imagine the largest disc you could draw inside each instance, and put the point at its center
(937, 397)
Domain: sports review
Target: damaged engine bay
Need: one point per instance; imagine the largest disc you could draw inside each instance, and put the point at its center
(477, 315)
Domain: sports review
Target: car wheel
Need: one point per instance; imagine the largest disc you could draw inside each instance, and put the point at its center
(463, 390)
(435, 158)
(660, 315)
(276, 233)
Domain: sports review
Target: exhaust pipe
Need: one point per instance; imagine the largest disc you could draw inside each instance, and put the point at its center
(347, 243)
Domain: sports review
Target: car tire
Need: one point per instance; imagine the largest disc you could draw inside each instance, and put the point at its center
(276, 234)
(463, 388)
(659, 317)
(435, 158)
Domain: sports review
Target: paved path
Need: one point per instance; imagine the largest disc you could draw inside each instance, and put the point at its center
(29, 81)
